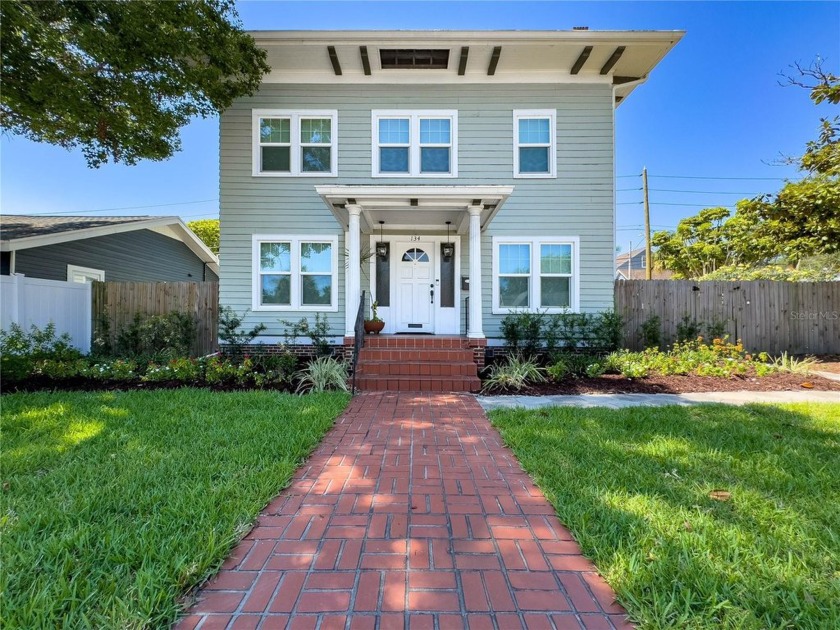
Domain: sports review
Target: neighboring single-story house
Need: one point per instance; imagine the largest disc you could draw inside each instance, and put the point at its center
(633, 266)
(82, 248)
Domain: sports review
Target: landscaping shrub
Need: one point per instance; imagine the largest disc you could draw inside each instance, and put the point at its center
(574, 365)
(720, 358)
(513, 374)
(523, 332)
(183, 370)
(571, 329)
(118, 370)
(158, 336)
(20, 350)
(607, 330)
(318, 333)
(688, 329)
(281, 367)
(530, 334)
(652, 332)
(323, 374)
(57, 369)
(231, 333)
(786, 363)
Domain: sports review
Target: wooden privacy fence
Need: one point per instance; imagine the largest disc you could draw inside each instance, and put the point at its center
(115, 305)
(775, 317)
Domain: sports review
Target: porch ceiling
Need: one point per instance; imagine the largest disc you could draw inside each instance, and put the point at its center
(426, 208)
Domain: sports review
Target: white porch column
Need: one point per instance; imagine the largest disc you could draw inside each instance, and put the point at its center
(352, 281)
(476, 330)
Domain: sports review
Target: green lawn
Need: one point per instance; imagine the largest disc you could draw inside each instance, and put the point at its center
(116, 504)
(633, 485)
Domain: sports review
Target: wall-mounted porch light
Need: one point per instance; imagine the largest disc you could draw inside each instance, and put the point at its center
(381, 247)
(448, 248)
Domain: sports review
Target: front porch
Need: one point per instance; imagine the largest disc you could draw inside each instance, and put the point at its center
(409, 239)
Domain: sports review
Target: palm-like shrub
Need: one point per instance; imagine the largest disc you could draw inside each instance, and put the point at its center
(322, 374)
(514, 374)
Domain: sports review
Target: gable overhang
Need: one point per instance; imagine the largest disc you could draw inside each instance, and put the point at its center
(621, 59)
(172, 227)
(416, 208)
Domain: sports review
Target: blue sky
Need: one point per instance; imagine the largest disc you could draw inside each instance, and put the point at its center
(712, 109)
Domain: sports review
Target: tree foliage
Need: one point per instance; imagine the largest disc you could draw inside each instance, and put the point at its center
(799, 222)
(119, 79)
(208, 231)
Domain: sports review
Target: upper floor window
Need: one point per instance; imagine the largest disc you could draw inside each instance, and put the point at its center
(295, 143)
(415, 143)
(535, 143)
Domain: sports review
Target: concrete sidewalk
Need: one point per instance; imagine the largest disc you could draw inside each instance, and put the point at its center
(620, 401)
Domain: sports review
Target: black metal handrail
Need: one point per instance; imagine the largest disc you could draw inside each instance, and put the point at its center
(359, 338)
(467, 314)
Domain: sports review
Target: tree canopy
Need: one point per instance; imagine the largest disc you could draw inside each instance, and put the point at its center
(119, 79)
(773, 231)
(208, 231)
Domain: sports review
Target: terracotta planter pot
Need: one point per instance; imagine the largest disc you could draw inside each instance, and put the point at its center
(374, 327)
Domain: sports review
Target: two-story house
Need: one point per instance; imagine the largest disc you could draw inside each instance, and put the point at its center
(454, 176)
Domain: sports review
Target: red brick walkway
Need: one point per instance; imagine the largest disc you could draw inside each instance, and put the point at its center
(410, 514)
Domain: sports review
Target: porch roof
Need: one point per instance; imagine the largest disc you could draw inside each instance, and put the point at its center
(424, 208)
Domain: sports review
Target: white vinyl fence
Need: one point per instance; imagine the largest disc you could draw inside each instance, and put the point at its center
(27, 301)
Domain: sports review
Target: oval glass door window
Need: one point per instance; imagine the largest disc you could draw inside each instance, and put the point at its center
(415, 255)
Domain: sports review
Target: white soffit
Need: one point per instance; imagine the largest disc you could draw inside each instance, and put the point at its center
(416, 208)
(523, 56)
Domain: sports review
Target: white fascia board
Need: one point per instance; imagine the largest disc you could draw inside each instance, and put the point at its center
(437, 37)
(419, 192)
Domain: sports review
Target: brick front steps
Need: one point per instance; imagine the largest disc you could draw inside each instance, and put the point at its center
(417, 363)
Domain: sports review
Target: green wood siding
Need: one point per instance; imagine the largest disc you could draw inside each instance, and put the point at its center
(579, 202)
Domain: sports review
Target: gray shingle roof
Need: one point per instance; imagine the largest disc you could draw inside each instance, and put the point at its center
(15, 226)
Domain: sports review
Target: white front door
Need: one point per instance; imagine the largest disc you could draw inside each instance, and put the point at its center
(415, 287)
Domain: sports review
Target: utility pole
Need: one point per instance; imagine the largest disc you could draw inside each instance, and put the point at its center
(648, 256)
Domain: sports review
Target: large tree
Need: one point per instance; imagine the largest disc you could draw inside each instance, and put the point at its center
(120, 78)
(800, 221)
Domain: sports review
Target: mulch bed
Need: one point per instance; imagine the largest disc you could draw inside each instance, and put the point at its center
(829, 363)
(617, 384)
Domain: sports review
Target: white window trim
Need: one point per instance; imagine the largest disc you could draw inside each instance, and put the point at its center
(534, 281)
(87, 271)
(551, 114)
(295, 116)
(295, 240)
(414, 116)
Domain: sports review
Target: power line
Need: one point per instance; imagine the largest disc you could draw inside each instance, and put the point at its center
(701, 192)
(159, 205)
(727, 178)
(692, 205)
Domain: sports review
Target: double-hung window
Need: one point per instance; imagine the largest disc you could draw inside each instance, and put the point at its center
(535, 143)
(294, 143)
(535, 274)
(295, 273)
(414, 143)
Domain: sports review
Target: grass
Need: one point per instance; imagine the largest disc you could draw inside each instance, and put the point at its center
(114, 505)
(633, 485)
